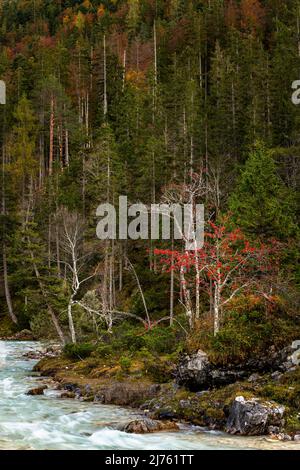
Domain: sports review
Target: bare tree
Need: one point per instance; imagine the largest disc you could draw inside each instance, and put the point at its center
(189, 193)
(72, 245)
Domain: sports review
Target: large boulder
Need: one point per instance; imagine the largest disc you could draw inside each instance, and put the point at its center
(254, 417)
(196, 373)
(146, 425)
(295, 356)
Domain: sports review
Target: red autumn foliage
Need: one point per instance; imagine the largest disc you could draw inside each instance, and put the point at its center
(228, 261)
(47, 41)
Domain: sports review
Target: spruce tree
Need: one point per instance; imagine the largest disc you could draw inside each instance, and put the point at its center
(261, 203)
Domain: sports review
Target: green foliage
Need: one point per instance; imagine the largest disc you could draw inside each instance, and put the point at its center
(39, 327)
(247, 335)
(125, 363)
(7, 327)
(105, 350)
(162, 340)
(156, 341)
(261, 203)
(78, 351)
(159, 369)
(286, 391)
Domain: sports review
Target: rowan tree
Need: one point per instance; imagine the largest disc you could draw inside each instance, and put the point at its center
(227, 264)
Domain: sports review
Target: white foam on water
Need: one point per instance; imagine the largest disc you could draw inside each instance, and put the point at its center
(6, 387)
(3, 353)
(114, 439)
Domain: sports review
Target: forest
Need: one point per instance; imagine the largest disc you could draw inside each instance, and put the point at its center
(174, 101)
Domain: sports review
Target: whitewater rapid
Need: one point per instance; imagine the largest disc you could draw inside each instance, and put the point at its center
(48, 422)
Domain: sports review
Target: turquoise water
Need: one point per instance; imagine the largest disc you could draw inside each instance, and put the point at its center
(47, 422)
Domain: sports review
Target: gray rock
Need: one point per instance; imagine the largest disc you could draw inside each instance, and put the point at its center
(99, 398)
(253, 417)
(184, 404)
(155, 388)
(273, 430)
(194, 370)
(283, 437)
(276, 375)
(295, 358)
(167, 414)
(197, 373)
(254, 378)
(297, 437)
(296, 345)
(70, 387)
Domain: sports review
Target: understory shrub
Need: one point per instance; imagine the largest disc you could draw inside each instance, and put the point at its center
(78, 351)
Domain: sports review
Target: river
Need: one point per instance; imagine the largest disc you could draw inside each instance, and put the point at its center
(48, 422)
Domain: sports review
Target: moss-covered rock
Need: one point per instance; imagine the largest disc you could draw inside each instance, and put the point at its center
(146, 425)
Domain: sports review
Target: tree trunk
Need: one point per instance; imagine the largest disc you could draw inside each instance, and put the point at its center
(186, 298)
(172, 288)
(216, 309)
(67, 158)
(124, 70)
(6, 287)
(71, 322)
(104, 78)
(57, 249)
(51, 136)
(5, 271)
(197, 287)
(120, 268)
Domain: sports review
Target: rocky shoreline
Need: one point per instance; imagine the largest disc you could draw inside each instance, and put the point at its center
(252, 400)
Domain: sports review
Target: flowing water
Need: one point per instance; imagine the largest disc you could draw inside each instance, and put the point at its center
(48, 422)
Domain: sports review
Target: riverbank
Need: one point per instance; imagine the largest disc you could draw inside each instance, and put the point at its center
(222, 409)
(48, 422)
(188, 389)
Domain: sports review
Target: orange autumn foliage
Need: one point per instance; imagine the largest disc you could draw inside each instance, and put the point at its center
(87, 4)
(100, 11)
(252, 15)
(232, 14)
(135, 78)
